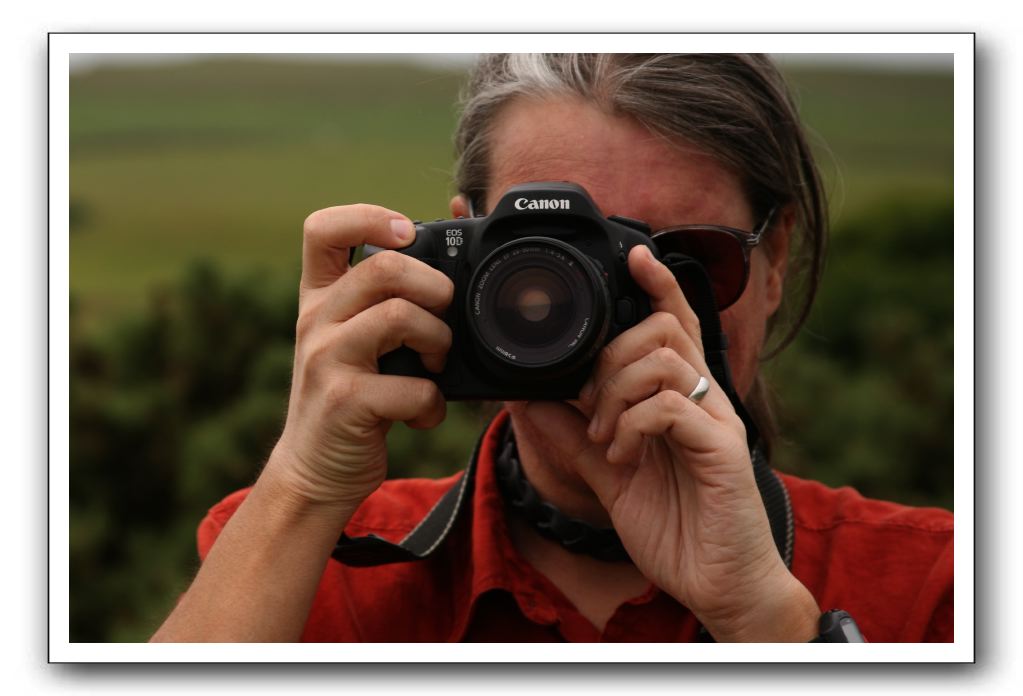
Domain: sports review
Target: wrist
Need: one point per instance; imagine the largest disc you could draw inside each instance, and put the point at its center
(784, 611)
(295, 498)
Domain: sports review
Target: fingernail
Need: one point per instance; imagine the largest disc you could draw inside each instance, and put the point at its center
(594, 426)
(403, 230)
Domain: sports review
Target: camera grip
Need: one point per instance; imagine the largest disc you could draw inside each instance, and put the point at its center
(403, 362)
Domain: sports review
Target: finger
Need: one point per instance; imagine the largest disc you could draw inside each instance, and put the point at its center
(666, 413)
(665, 294)
(572, 445)
(658, 371)
(415, 401)
(328, 236)
(385, 275)
(389, 325)
(659, 330)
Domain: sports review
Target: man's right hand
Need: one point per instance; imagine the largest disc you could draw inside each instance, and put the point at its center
(258, 581)
(332, 452)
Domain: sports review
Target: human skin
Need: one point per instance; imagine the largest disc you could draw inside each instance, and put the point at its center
(677, 484)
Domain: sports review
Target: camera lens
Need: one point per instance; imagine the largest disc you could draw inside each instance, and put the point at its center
(538, 303)
(533, 304)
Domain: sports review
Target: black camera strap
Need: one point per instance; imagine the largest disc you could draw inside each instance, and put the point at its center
(691, 274)
(434, 528)
(425, 538)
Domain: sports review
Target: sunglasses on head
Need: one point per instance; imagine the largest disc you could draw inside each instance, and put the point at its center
(723, 252)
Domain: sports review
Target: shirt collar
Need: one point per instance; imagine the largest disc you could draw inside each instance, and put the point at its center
(494, 562)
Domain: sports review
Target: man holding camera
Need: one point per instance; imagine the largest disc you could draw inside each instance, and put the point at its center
(635, 509)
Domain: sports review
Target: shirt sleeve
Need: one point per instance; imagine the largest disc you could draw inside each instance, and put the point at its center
(938, 599)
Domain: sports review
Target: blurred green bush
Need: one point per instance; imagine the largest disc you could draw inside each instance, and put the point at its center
(171, 410)
(865, 392)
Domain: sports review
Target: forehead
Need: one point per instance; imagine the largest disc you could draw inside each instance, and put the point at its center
(627, 169)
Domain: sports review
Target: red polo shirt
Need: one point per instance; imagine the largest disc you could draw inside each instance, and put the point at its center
(888, 565)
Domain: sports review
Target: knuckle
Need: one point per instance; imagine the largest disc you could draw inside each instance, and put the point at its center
(304, 325)
(446, 336)
(737, 426)
(626, 421)
(691, 323)
(387, 267)
(610, 387)
(610, 355)
(670, 400)
(426, 392)
(447, 288)
(667, 357)
(314, 224)
(318, 351)
(318, 224)
(665, 322)
(631, 419)
(341, 393)
(396, 312)
(311, 359)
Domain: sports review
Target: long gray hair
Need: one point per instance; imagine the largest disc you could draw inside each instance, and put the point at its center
(736, 107)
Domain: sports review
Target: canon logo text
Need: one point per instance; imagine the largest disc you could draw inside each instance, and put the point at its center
(542, 204)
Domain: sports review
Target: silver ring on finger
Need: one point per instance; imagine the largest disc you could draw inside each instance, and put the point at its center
(700, 390)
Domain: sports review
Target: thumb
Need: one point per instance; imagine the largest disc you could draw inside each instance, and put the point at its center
(567, 436)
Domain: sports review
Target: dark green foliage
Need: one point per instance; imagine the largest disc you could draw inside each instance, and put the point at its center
(171, 410)
(866, 391)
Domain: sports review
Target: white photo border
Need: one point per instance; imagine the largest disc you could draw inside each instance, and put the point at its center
(63, 45)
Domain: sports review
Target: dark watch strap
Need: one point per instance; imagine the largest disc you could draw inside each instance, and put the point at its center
(837, 626)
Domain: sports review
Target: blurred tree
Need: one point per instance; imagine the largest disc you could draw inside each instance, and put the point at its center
(865, 393)
(171, 410)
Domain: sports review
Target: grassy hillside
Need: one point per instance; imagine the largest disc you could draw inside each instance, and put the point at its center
(224, 159)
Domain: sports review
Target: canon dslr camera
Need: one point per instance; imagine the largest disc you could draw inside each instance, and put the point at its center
(541, 285)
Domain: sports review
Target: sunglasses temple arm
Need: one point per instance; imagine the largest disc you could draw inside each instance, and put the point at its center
(754, 239)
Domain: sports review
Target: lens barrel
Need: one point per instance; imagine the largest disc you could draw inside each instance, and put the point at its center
(540, 305)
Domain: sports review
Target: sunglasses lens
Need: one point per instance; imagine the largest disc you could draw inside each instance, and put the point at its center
(719, 253)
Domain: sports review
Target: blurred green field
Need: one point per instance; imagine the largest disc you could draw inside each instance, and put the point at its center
(224, 159)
